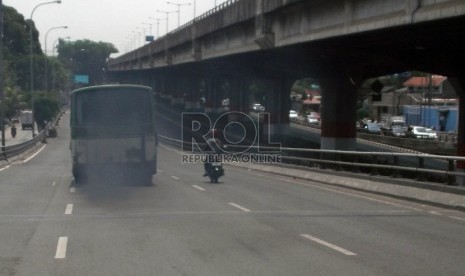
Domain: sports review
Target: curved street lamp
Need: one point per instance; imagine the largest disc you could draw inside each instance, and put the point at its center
(46, 60)
(179, 8)
(166, 18)
(31, 61)
(158, 24)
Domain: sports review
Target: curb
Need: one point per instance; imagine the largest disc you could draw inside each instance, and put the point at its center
(13, 159)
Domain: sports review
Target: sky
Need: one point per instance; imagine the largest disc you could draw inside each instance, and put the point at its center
(120, 22)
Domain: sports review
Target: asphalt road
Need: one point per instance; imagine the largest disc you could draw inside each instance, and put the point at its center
(249, 224)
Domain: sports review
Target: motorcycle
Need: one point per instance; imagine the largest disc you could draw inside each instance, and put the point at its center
(215, 171)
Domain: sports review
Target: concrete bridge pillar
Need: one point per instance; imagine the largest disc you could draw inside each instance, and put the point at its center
(163, 92)
(213, 97)
(338, 112)
(177, 89)
(239, 100)
(192, 96)
(459, 85)
(277, 108)
(158, 87)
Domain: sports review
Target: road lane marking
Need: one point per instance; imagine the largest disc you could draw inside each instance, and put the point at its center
(175, 177)
(239, 207)
(329, 245)
(2, 169)
(34, 155)
(69, 209)
(198, 187)
(160, 171)
(457, 218)
(72, 190)
(61, 248)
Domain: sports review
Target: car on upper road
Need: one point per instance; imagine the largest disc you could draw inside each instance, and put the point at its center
(258, 107)
(398, 131)
(293, 114)
(420, 132)
(432, 134)
(372, 128)
(313, 118)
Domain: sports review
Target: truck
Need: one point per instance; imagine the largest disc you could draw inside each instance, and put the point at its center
(26, 119)
(393, 125)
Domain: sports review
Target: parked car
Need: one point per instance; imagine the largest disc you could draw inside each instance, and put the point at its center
(372, 128)
(420, 132)
(432, 134)
(313, 118)
(293, 114)
(398, 131)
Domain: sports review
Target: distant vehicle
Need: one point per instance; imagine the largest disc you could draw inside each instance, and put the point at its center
(394, 125)
(215, 171)
(372, 128)
(398, 131)
(420, 132)
(313, 118)
(432, 134)
(26, 119)
(113, 132)
(258, 107)
(293, 114)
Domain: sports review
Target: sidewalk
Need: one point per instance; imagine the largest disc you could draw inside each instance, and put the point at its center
(452, 197)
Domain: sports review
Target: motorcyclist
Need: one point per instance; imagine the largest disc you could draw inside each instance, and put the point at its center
(13, 131)
(213, 145)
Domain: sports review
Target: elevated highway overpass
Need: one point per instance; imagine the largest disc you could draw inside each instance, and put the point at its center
(339, 43)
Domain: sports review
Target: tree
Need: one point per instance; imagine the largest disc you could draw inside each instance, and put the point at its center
(16, 78)
(86, 57)
(46, 107)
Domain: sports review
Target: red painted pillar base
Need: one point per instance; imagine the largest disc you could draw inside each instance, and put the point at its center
(459, 85)
(338, 113)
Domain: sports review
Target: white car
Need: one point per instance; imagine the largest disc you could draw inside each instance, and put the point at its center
(293, 114)
(420, 132)
(432, 134)
(258, 107)
(313, 118)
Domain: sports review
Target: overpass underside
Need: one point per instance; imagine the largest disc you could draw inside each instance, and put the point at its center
(273, 48)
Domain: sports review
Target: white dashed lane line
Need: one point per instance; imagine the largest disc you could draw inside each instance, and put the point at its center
(329, 245)
(61, 248)
(198, 187)
(69, 209)
(239, 207)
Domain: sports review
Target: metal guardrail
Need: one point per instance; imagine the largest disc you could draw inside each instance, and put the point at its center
(10, 151)
(16, 149)
(394, 164)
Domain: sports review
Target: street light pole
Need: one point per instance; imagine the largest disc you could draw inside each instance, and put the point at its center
(53, 55)
(46, 58)
(166, 12)
(150, 27)
(158, 25)
(179, 9)
(31, 58)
